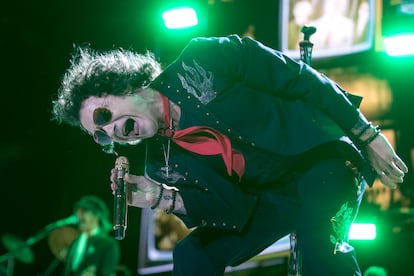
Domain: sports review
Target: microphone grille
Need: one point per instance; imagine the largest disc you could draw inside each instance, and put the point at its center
(122, 163)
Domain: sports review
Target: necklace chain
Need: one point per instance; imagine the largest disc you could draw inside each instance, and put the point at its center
(166, 151)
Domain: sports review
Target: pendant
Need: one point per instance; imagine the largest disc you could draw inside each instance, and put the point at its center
(165, 171)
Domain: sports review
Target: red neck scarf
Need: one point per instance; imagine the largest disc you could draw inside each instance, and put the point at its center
(203, 140)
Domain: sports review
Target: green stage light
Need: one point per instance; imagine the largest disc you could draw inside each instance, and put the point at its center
(399, 45)
(180, 18)
(362, 231)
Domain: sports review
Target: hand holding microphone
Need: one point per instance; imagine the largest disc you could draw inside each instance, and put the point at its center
(120, 200)
(142, 193)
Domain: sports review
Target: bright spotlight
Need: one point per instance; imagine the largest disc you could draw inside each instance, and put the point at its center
(362, 231)
(399, 45)
(180, 18)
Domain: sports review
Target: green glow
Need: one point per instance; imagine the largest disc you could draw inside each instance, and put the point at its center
(180, 18)
(362, 231)
(399, 45)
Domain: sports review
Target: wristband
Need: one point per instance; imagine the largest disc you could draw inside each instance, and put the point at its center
(377, 131)
(158, 198)
(366, 127)
(360, 127)
(172, 207)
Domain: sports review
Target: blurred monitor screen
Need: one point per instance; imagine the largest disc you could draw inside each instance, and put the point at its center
(342, 26)
(159, 233)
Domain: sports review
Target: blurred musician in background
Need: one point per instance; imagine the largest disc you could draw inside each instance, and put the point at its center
(94, 251)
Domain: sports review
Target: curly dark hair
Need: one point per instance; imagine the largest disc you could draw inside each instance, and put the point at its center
(92, 73)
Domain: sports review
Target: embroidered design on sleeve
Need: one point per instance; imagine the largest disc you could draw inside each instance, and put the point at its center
(341, 223)
(198, 82)
(172, 177)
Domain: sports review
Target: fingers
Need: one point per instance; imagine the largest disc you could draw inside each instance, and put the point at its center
(390, 170)
(113, 188)
(390, 177)
(130, 178)
(113, 181)
(386, 181)
(113, 175)
(400, 164)
(389, 180)
(395, 167)
(394, 173)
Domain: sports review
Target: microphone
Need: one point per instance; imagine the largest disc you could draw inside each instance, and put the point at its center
(120, 204)
(73, 219)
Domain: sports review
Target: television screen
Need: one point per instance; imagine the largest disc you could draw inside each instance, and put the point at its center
(342, 26)
(160, 232)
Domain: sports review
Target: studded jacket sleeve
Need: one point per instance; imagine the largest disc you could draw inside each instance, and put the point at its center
(270, 71)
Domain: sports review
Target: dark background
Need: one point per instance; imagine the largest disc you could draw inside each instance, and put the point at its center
(45, 167)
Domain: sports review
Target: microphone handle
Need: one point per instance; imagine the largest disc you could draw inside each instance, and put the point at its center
(120, 201)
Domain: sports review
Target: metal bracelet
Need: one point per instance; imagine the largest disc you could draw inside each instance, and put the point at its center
(363, 130)
(158, 198)
(372, 137)
(172, 207)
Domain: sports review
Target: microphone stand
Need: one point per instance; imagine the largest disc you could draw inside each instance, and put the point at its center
(7, 270)
(14, 254)
(51, 267)
(306, 47)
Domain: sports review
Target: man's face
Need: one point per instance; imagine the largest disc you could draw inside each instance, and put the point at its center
(125, 119)
(87, 220)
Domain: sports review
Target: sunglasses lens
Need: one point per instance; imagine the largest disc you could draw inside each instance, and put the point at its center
(102, 138)
(102, 116)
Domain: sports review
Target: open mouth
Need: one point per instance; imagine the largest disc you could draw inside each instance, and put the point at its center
(131, 128)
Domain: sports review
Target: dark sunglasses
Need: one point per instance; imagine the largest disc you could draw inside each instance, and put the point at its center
(101, 117)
